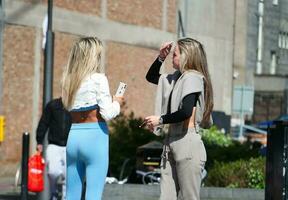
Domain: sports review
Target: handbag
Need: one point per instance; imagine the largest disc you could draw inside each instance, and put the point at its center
(36, 166)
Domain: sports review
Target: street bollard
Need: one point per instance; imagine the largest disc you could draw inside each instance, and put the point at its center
(25, 156)
(276, 183)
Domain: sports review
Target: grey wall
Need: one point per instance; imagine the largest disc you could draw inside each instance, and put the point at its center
(283, 53)
(273, 15)
(240, 38)
(211, 22)
(271, 32)
(252, 36)
(272, 83)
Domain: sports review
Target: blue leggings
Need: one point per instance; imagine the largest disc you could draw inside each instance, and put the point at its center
(87, 155)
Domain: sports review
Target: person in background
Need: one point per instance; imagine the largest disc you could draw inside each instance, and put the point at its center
(57, 119)
(86, 95)
(184, 100)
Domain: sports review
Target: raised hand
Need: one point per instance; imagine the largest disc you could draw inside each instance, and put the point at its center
(165, 50)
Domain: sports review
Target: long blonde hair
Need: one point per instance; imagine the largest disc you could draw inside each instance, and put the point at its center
(193, 57)
(84, 59)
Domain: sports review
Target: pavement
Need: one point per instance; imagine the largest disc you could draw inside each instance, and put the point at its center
(8, 190)
(7, 185)
(140, 192)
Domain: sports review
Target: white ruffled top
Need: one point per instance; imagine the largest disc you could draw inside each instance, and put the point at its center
(94, 90)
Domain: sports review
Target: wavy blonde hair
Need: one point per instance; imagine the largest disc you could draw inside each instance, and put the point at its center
(193, 57)
(84, 60)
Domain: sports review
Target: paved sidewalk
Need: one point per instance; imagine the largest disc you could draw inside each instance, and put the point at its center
(6, 185)
(8, 191)
(142, 192)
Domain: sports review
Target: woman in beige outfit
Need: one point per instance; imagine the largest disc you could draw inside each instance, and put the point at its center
(184, 101)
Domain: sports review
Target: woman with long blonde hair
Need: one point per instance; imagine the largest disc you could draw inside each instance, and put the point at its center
(85, 93)
(184, 100)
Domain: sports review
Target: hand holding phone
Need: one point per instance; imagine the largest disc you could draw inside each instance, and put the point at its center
(121, 89)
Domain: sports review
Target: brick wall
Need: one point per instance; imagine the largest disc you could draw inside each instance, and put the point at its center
(172, 16)
(130, 64)
(88, 6)
(63, 44)
(17, 88)
(92, 7)
(137, 12)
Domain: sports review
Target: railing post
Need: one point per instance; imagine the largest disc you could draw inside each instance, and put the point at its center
(24, 166)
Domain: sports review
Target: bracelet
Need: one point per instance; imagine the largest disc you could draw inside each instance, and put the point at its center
(160, 120)
(160, 59)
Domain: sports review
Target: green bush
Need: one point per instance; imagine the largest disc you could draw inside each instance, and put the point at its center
(231, 163)
(215, 137)
(125, 137)
(241, 173)
(256, 173)
(222, 148)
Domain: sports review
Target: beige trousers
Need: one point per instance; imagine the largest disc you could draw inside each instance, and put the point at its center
(183, 160)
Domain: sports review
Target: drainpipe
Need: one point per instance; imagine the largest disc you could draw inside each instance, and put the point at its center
(260, 37)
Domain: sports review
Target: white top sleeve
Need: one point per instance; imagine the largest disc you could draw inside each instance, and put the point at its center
(108, 108)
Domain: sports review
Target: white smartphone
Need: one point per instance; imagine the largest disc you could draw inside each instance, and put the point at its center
(121, 89)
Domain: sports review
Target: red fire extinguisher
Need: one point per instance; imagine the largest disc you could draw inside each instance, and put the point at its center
(36, 166)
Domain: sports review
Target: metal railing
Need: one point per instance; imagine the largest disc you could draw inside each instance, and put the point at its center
(180, 25)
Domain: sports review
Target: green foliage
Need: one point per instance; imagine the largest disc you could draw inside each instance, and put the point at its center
(215, 137)
(125, 137)
(241, 173)
(231, 153)
(256, 173)
(222, 148)
(231, 163)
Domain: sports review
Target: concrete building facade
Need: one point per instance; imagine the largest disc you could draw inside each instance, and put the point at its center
(230, 32)
(206, 21)
(270, 79)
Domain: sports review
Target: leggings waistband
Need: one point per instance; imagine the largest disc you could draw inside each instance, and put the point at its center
(89, 125)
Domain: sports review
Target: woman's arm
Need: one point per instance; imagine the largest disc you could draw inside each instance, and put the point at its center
(153, 74)
(188, 103)
(44, 123)
(108, 108)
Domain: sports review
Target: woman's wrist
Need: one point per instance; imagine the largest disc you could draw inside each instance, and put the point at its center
(160, 122)
(161, 59)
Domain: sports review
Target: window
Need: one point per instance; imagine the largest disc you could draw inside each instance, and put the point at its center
(275, 2)
(273, 63)
(286, 41)
(283, 40)
(280, 40)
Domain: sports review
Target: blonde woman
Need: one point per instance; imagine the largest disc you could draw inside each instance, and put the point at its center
(85, 93)
(185, 102)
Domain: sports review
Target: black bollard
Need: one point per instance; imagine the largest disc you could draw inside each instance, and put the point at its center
(276, 183)
(25, 156)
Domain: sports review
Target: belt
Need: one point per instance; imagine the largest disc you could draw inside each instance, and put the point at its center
(86, 116)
